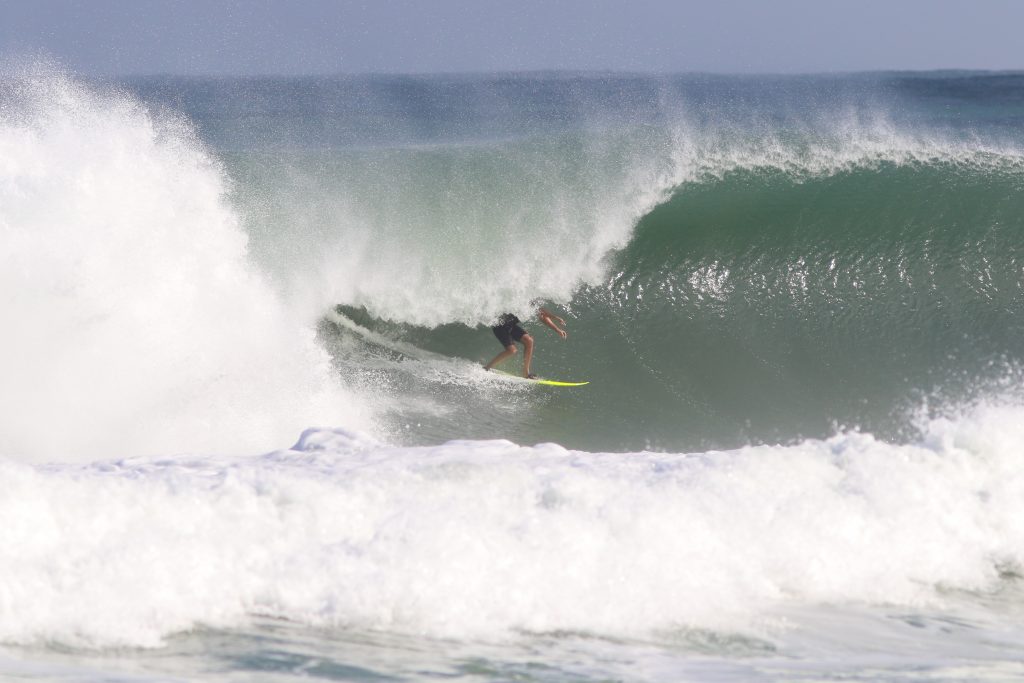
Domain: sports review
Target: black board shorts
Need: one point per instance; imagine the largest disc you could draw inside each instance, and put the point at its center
(508, 329)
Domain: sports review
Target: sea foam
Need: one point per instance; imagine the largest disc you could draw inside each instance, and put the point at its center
(486, 539)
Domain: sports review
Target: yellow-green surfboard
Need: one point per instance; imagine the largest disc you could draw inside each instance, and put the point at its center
(540, 380)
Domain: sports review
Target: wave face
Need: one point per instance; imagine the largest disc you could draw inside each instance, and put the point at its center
(742, 260)
(790, 304)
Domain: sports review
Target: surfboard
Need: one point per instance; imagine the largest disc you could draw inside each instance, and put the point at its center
(540, 380)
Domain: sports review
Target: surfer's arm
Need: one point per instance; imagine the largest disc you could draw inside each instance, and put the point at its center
(548, 319)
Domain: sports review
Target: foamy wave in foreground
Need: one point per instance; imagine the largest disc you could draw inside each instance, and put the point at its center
(132, 318)
(486, 538)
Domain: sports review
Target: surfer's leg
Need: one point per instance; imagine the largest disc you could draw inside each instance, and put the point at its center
(510, 350)
(527, 353)
(504, 334)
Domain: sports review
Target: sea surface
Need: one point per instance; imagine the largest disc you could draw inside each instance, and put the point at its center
(245, 433)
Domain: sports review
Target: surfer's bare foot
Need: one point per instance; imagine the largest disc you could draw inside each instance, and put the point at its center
(530, 375)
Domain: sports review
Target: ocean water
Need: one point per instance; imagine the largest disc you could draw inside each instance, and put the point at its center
(245, 434)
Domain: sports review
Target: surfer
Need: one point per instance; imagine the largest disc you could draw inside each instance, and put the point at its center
(509, 331)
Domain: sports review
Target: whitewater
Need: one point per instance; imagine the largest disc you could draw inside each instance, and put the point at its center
(245, 433)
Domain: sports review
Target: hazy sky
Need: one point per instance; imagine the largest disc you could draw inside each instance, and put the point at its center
(110, 37)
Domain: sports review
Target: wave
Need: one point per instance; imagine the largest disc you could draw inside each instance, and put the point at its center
(738, 265)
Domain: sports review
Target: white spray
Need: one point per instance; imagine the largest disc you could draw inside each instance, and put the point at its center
(133, 322)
